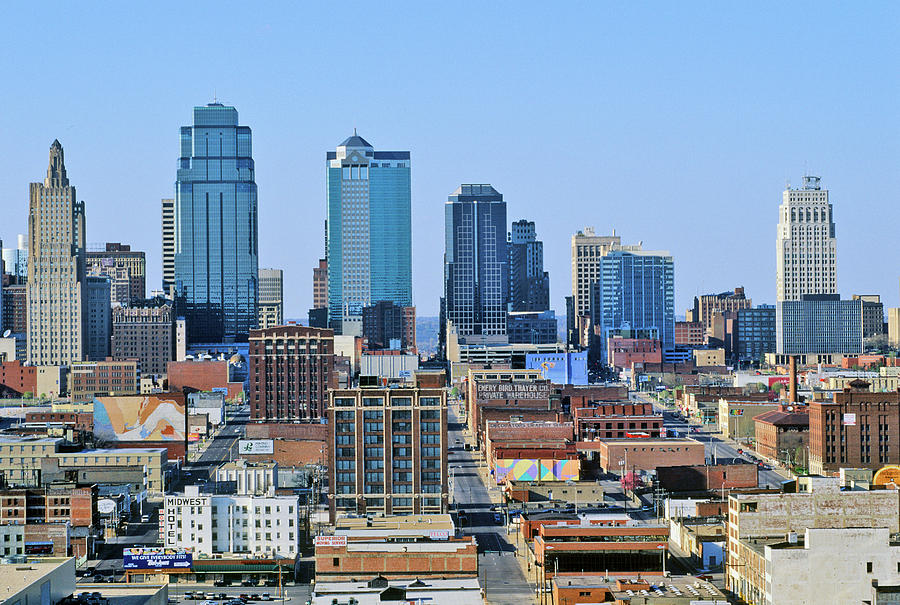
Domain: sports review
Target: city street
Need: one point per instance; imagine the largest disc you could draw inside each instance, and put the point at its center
(717, 449)
(500, 571)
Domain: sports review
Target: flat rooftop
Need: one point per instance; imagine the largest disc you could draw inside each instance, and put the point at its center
(405, 525)
(687, 588)
(463, 591)
(19, 576)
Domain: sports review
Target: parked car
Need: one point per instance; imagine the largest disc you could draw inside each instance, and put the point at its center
(189, 595)
(265, 597)
(221, 583)
(271, 582)
(245, 597)
(222, 596)
(249, 582)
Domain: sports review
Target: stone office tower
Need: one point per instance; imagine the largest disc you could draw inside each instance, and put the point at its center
(56, 271)
(806, 242)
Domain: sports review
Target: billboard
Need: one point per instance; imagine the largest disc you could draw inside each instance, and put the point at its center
(330, 541)
(256, 446)
(156, 558)
(140, 418)
(536, 470)
(849, 420)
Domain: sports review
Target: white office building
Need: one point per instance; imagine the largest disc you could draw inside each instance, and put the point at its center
(249, 477)
(232, 524)
(806, 242)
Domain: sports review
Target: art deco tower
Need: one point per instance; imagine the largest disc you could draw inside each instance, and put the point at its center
(56, 268)
(806, 242)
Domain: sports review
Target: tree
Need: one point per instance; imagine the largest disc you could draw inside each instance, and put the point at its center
(776, 388)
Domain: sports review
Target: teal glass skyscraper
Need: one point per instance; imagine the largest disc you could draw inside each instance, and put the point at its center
(369, 238)
(216, 252)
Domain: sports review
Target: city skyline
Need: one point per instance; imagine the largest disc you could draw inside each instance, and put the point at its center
(706, 149)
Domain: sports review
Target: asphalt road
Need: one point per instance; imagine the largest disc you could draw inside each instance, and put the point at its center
(500, 574)
(717, 449)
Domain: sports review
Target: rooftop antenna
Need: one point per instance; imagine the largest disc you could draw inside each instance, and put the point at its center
(354, 131)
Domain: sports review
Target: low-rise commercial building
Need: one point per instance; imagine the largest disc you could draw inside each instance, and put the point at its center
(736, 417)
(617, 421)
(228, 524)
(89, 379)
(599, 588)
(43, 580)
(783, 434)
(637, 547)
(379, 589)
(707, 477)
(619, 455)
(758, 520)
(709, 357)
(408, 547)
(249, 477)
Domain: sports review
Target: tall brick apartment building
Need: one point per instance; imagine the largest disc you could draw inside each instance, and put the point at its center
(291, 370)
(858, 429)
(389, 450)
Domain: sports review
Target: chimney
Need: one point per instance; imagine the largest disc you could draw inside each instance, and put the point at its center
(792, 390)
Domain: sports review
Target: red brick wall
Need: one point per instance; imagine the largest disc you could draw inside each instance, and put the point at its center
(336, 563)
(648, 455)
(82, 421)
(288, 430)
(294, 452)
(702, 477)
(200, 375)
(19, 378)
(504, 413)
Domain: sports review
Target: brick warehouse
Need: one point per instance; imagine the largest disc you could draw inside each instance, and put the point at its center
(707, 477)
(858, 430)
(617, 421)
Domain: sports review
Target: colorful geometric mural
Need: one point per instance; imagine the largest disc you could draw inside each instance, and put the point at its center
(534, 470)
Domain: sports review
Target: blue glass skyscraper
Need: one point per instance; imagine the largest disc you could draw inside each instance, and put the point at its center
(369, 239)
(476, 263)
(635, 290)
(216, 252)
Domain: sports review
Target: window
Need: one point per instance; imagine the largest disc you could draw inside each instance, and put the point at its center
(869, 567)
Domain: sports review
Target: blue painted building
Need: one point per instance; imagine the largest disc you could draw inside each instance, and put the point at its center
(369, 231)
(216, 247)
(560, 368)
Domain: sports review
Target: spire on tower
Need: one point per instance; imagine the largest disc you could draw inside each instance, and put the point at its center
(56, 170)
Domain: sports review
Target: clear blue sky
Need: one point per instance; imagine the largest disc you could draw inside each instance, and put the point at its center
(675, 123)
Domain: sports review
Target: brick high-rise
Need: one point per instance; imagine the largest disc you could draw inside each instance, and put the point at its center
(145, 331)
(291, 370)
(388, 451)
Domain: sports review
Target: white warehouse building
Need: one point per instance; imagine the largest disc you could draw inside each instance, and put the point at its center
(232, 524)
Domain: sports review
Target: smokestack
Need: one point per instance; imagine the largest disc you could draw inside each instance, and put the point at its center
(792, 385)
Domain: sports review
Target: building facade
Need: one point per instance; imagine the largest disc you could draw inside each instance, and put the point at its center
(271, 298)
(98, 329)
(89, 379)
(587, 250)
(216, 254)
(56, 271)
(385, 323)
(126, 268)
(476, 262)
(231, 524)
(858, 429)
(145, 331)
(291, 370)
(872, 314)
(15, 309)
(531, 327)
(388, 451)
(756, 333)
(819, 324)
(529, 284)
(634, 290)
(320, 285)
(16, 259)
(168, 245)
(806, 242)
(369, 240)
(689, 334)
(707, 305)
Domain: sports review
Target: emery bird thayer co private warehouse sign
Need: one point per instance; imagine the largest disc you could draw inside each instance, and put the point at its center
(486, 391)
